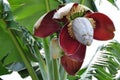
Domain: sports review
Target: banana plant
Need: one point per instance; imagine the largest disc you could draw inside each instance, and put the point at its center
(53, 47)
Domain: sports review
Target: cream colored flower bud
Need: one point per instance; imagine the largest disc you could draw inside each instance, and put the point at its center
(83, 30)
(55, 49)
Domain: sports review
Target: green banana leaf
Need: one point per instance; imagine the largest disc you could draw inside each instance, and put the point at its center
(27, 12)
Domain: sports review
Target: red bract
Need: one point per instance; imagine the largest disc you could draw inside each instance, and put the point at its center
(73, 48)
(104, 26)
(72, 63)
(46, 25)
(68, 44)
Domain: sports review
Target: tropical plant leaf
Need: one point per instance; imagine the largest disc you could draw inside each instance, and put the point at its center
(106, 65)
(90, 4)
(19, 40)
(27, 41)
(27, 12)
(113, 3)
(3, 70)
(8, 48)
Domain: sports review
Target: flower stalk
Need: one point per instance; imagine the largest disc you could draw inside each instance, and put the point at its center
(63, 74)
(49, 60)
(41, 63)
(56, 69)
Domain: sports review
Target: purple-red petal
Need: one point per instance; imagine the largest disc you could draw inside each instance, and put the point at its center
(47, 26)
(104, 29)
(73, 63)
(67, 43)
